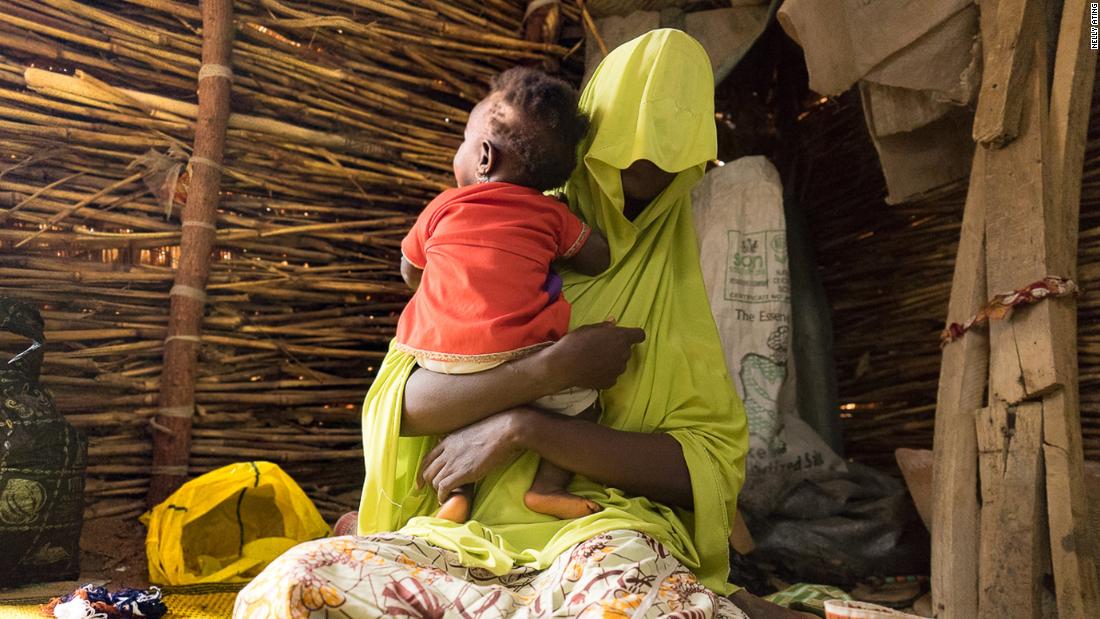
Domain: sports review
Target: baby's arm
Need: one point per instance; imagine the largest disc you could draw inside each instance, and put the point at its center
(410, 273)
(413, 256)
(593, 257)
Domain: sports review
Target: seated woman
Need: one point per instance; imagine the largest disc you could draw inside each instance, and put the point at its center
(665, 463)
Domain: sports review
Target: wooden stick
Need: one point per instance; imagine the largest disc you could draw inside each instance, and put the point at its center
(171, 448)
(1074, 560)
(963, 373)
(591, 24)
(79, 205)
(77, 86)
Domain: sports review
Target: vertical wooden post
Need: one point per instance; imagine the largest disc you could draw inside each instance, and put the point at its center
(964, 371)
(1014, 550)
(1013, 553)
(963, 374)
(1074, 562)
(172, 434)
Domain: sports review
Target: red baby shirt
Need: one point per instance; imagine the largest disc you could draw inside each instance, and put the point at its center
(486, 251)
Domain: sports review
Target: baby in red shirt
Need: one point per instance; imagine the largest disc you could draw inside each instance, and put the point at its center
(479, 257)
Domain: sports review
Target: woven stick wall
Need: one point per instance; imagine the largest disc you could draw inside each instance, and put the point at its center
(887, 271)
(346, 114)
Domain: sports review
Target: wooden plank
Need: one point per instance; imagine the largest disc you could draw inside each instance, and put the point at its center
(1023, 358)
(1008, 59)
(1025, 362)
(1013, 557)
(991, 469)
(1013, 539)
(1074, 559)
(963, 372)
(990, 446)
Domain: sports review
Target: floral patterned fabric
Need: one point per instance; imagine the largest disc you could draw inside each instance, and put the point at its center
(616, 574)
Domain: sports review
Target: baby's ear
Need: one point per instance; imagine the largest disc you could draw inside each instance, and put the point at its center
(487, 159)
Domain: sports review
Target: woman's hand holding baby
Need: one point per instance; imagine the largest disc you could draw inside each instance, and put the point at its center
(592, 356)
(467, 455)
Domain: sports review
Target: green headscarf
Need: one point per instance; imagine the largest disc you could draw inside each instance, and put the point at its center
(651, 98)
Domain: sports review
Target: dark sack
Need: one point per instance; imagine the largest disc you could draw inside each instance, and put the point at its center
(841, 530)
(42, 460)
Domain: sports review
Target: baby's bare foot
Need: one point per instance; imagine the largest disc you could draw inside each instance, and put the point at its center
(559, 504)
(456, 508)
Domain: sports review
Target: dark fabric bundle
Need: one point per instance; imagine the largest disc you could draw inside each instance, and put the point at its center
(42, 461)
(97, 602)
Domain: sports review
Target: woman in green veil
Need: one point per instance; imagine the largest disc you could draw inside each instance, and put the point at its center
(665, 462)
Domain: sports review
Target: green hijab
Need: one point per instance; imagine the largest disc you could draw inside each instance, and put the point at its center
(651, 98)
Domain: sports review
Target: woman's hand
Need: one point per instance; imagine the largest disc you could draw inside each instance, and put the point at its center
(594, 355)
(469, 454)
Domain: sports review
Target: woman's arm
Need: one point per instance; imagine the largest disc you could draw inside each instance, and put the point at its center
(640, 463)
(442, 403)
(592, 356)
(411, 273)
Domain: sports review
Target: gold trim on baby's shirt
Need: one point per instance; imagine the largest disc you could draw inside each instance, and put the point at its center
(577, 244)
(507, 355)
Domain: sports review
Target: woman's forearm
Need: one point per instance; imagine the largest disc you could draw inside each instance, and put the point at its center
(640, 463)
(442, 403)
(592, 356)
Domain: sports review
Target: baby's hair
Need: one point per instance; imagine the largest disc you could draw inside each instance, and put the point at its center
(547, 128)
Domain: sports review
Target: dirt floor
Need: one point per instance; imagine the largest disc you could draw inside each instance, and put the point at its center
(112, 553)
(113, 549)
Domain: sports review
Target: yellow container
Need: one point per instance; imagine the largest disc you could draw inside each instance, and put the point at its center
(228, 524)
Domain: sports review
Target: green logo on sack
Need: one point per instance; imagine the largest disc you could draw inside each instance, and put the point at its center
(747, 255)
(756, 266)
(748, 263)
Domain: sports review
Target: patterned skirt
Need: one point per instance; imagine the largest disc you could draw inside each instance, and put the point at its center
(617, 574)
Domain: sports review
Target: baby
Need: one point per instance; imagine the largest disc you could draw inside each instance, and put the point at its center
(479, 257)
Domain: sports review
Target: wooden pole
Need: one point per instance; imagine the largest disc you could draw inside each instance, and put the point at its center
(172, 432)
(964, 370)
(1074, 562)
(963, 374)
(1013, 558)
